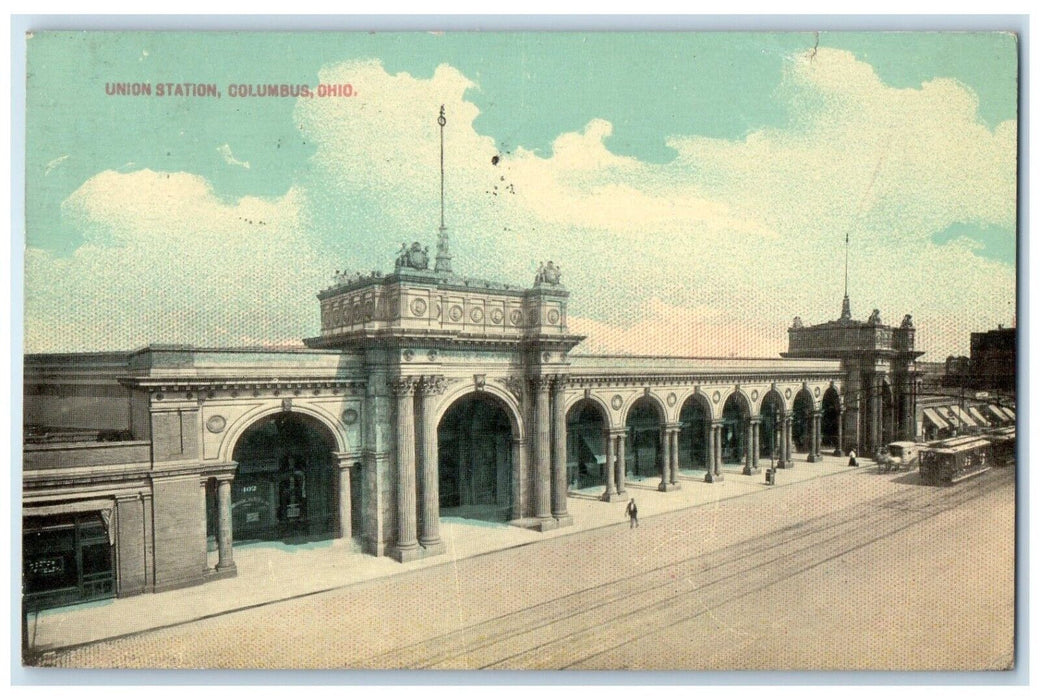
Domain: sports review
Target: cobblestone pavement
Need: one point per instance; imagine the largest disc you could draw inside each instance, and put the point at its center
(855, 571)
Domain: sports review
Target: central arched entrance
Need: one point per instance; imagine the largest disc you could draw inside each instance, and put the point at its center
(474, 459)
(284, 487)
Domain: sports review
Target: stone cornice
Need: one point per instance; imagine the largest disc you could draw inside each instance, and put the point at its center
(241, 384)
(599, 380)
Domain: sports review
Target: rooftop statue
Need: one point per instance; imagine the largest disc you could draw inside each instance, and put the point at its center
(548, 273)
(907, 322)
(875, 318)
(797, 323)
(416, 257)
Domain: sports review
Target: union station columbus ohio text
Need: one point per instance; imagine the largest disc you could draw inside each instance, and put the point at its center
(425, 395)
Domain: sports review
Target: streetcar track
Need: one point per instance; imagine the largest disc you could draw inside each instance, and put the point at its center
(499, 636)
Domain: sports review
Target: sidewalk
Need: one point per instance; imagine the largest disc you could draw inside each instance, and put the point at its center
(270, 572)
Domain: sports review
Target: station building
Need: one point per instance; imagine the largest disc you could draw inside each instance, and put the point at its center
(425, 394)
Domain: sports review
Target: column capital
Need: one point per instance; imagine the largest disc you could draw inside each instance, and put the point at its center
(672, 427)
(560, 382)
(541, 382)
(402, 386)
(431, 385)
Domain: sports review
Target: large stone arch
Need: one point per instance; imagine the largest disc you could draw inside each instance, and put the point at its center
(588, 425)
(644, 420)
(695, 418)
(607, 414)
(803, 408)
(830, 419)
(286, 481)
(511, 404)
(477, 460)
(235, 431)
(735, 414)
(632, 400)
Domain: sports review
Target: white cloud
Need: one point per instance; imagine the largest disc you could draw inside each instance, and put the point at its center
(166, 261)
(712, 253)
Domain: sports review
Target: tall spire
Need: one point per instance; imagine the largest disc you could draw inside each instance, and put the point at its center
(846, 310)
(443, 254)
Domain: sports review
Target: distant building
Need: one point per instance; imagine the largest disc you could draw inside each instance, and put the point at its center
(993, 359)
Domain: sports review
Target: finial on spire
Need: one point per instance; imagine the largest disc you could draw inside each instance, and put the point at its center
(846, 311)
(443, 263)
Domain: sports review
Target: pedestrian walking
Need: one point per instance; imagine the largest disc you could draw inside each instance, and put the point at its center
(633, 514)
(852, 459)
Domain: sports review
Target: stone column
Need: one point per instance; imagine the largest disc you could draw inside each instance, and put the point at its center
(664, 458)
(344, 505)
(611, 490)
(519, 475)
(542, 452)
(225, 552)
(819, 436)
(840, 449)
(788, 423)
(559, 454)
(429, 535)
(749, 447)
(709, 454)
(756, 442)
(813, 434)
(622, 464)
(407, 547)
(781, 448)
(675, 456)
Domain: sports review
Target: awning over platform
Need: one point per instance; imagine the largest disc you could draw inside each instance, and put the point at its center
(932, 417)
(977, 415)
(963, 416)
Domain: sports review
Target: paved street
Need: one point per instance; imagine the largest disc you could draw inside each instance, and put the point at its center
(856, 570)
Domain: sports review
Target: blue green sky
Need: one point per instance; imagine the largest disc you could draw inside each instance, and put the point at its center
(698, 181)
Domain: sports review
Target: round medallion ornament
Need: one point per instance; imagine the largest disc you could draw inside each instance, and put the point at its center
(455, 313)
(216, 424)
(754, 394)
(546, 357)
(516, 317)
(350, 416)
(418, 307)
(408, 355)
(496, 316)
(816, 392)
(715, 397)
(431, 355)
(476, 314)
(787, 393)
(553, 316)
(616, 401)
(671, 399)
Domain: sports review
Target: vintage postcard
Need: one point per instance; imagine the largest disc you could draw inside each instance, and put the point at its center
(656, 351)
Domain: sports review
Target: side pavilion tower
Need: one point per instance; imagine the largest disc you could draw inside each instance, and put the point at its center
(879, 404)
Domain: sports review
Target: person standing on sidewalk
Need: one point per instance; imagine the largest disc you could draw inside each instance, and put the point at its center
(633, 514)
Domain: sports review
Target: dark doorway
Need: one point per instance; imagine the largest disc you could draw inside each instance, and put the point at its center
(586, 446)
(475, 464)
(801, 424)
(693, 436)
(284, 487)
(829, 419)
(644, 430)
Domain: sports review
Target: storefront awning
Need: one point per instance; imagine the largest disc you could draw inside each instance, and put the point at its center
(932, 417)
(997, 412)
(601, 459)
(101, 506)
(977, 415)
(964, 417)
